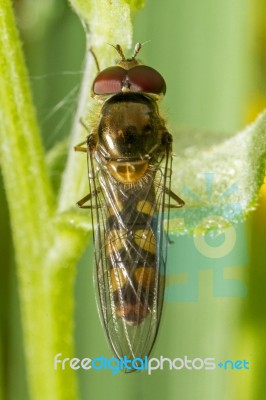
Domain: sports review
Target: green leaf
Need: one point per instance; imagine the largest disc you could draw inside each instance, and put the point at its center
(219, 176)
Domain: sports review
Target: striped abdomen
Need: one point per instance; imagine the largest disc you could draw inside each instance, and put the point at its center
(131, 255)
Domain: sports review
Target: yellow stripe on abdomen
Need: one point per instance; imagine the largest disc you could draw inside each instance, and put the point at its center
(145, 207)
(145, 277)
(145, 239)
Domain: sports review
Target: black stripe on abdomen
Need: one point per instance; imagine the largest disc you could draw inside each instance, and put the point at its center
(131, 257)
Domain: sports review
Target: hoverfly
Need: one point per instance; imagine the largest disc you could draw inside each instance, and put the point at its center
(129, 163)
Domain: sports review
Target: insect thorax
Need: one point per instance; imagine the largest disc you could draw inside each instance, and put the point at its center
(130, 135)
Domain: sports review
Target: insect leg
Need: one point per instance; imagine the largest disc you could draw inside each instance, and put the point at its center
(180, 202)
(80, 147)
(87, 198)
(84, 200)
(90, 142)
(90, 145)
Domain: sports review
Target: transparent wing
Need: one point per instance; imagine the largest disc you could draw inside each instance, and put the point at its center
(130, 255)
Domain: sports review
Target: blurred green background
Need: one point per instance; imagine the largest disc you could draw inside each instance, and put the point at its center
(213, 57)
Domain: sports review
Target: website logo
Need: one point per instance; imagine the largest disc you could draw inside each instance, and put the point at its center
(149, 365)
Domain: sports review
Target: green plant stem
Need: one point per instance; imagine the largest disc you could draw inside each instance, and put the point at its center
(96, 17)
(48, 244)
(31, 206)
(21, 149)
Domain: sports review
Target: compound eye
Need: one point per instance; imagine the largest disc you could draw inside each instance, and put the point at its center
(109, 81)
(146, 79)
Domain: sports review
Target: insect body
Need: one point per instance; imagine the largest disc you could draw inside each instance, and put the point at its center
(129, 162)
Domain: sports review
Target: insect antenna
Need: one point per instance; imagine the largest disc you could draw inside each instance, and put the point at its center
(118, 48)
(120, 51)
(136, 50)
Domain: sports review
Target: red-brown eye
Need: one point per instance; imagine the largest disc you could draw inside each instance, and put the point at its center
(137, 79)
(109, 81)
(146, 79)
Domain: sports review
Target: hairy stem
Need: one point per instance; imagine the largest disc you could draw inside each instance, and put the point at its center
(96, 19)
(48, 243)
